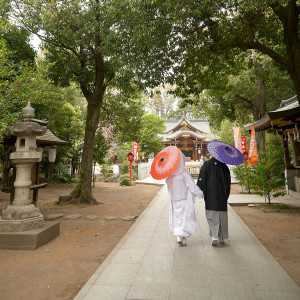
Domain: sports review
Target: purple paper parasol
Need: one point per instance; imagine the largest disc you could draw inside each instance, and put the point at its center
(225, 153)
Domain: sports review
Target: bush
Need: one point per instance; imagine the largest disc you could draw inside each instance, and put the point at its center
(63, 178)
(271, 168)
(106, 172)
(77, 190)
(125, 180)
(245, 177)
(124, 176)
(125, 168)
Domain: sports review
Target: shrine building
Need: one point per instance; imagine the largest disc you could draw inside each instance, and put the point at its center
(286, 121)
(190, 136)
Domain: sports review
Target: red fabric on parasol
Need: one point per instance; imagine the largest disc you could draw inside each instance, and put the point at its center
(165, 162)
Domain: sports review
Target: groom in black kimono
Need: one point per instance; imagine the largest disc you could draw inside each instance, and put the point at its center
(214, 180)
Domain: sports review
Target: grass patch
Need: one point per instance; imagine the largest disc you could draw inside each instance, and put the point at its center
(279, 207)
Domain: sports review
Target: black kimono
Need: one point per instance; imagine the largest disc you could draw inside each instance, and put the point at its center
(214, 180)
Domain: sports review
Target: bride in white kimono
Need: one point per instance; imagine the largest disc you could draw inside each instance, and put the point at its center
(182, 191)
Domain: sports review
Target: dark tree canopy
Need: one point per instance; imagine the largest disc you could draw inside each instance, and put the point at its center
(207, 40)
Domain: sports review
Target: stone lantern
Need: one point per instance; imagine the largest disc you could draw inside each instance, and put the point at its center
(22, 215)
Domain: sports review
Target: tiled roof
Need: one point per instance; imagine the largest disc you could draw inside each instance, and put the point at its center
(201, 125)
(289, 107)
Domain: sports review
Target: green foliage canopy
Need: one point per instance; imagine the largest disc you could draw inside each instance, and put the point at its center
(271, 168)
(151, 127)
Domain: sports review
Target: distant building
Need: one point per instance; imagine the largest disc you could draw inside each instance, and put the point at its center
(190, 136)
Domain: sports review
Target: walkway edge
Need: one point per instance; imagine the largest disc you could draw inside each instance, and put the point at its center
(85, 289)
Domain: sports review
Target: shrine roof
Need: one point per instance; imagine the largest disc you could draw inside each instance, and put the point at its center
(201, 125)
(288, 110)
(179, 133)
(187, 132)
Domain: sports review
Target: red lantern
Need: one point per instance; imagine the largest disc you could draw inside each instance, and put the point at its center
(130, 156)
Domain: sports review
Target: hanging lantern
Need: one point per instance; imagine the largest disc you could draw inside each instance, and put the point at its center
(52, 154)
(40, 150)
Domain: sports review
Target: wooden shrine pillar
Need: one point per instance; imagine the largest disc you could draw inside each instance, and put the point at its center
(296, 148)
(287, 159)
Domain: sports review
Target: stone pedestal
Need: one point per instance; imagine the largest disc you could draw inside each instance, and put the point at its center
(22, 215)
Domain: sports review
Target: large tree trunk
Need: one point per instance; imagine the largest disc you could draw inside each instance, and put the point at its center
(260, 106)
(291, 39)
(289, 16)
(86, 170)
(296, 80)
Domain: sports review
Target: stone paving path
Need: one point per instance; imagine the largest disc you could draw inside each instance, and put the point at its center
(148, 264)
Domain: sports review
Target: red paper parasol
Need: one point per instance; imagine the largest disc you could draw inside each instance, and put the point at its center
(165, 162)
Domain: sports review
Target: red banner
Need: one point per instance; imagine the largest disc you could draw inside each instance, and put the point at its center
(244, 144)
(244, 147)
(135, 151)
(253, 154)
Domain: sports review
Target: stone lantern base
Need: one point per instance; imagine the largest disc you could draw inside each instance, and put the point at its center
(30, 239)
(12, 212)
(21, 225)
(21, 218)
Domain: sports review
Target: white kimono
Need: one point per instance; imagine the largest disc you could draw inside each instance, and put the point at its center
(182, 191)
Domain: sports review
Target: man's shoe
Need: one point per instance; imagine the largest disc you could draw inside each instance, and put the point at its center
(221, 241)
(179, 240)
(214, 242)
(183, 241)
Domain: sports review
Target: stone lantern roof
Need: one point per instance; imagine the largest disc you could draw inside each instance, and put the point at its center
(46, 138)
(28, 127)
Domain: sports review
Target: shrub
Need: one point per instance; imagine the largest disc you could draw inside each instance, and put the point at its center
(63, 178)
(77, 189)
(125, 180)
(125, 168)
(271, 168)
(124, 176)
(244, 176)
(106, 172)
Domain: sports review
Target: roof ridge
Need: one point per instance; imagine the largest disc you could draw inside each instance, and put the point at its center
(288, 101)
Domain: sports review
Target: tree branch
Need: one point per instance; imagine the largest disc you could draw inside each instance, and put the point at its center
(109, 79)
(246, 102)
(264, 49)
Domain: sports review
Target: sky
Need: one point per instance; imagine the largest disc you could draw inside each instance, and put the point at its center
(35, 41)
